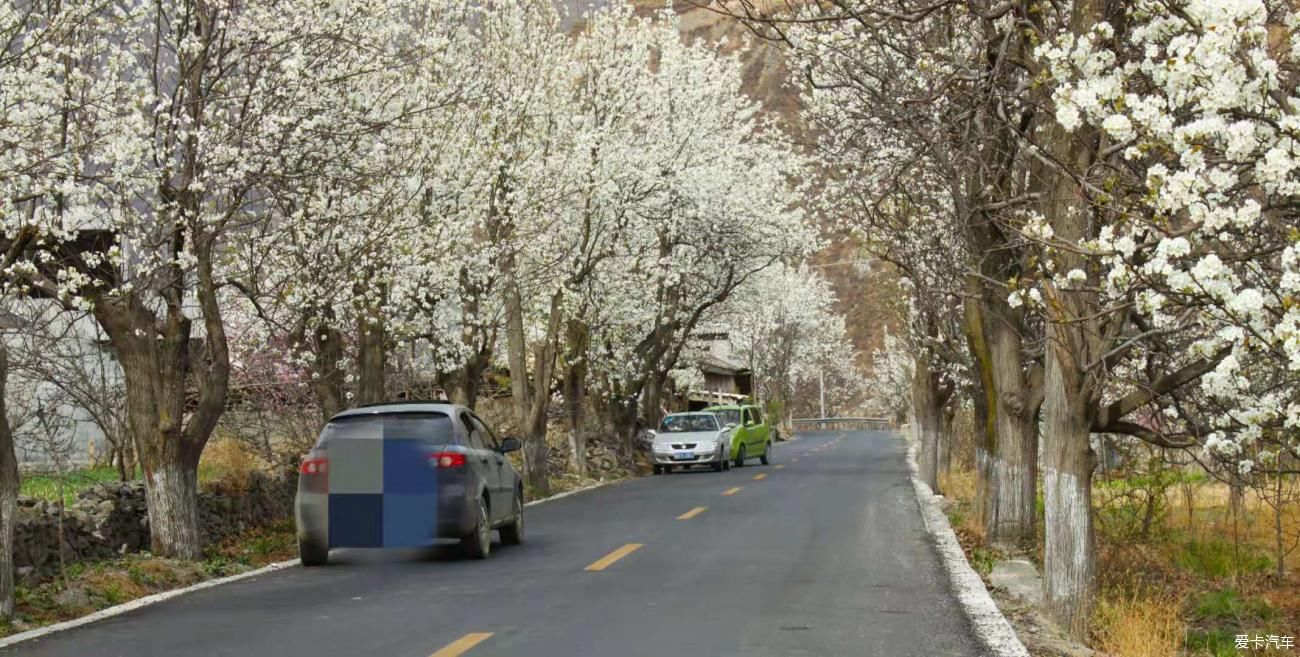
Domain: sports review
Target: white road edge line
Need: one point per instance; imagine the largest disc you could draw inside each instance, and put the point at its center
(991, 627)
(137, 604)
(154, 599)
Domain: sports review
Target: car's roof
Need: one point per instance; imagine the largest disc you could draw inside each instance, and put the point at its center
(688, 413)
(390, 408)
(728, 407)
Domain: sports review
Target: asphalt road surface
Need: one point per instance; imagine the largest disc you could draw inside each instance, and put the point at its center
(821, 553)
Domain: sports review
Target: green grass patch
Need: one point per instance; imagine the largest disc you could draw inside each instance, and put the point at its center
(46, 487)
(956, 514)
(96, 585)
(1217, 641)
(253, 548)
(1218, 558)
(1227, 604)
(983, 559)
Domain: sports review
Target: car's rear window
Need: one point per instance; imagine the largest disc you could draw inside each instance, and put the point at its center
(434, 428)
(688, 423)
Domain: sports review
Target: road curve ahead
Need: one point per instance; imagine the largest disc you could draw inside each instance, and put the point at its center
(826, 555)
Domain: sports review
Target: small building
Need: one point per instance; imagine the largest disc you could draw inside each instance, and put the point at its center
(725, 381)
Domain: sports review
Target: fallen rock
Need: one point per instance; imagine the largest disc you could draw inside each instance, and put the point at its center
(1019, 578)
(73, 598)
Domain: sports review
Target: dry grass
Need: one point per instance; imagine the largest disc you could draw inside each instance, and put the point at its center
(1186, 587)
(226, 463)
(1207, 514)
(961, 486)
(1139, 626)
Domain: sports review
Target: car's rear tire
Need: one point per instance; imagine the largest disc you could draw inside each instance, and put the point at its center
(767, 449)
(478, 544)
(512, 533)
(312, 554)
(740, 457)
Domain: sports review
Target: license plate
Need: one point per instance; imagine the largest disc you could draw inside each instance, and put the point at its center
(683, 455)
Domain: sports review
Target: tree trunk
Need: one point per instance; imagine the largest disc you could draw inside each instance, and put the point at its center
(153, 412)
(575, 393)
(1007, 458)
(171, 495)
(928, 412)
(530, 397)
(1068, 555)
(1013, 468)
(124, 457)
(9, 487)
(1279, 504)
(1076, 335)
(462, 385)
(169, 422)
(650, 400)
(983, 470)
(372, 357)
(946, 440)
(167, 460)
(331, 396)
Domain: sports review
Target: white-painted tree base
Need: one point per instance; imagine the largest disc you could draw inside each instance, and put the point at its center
(154, 599)
(990, 626)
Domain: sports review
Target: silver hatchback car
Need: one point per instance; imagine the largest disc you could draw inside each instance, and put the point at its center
(686, 439)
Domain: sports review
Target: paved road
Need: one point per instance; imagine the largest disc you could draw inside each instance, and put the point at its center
(825, 556)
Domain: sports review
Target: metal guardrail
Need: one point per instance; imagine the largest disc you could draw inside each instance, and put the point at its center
(861, 423)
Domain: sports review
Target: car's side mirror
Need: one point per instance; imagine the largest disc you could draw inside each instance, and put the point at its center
(510, 445)
(652, 433)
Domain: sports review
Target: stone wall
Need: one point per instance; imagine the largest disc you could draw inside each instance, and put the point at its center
(112, 519)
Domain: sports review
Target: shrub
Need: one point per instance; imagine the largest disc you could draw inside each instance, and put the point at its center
(226, 464)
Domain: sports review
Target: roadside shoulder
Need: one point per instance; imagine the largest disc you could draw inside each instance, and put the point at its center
(149, 600)
(987, 621)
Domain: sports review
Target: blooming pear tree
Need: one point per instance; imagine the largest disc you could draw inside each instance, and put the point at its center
(1176, 249)
(783, 324)
(173, 127)
(917, 114)
(341, 266)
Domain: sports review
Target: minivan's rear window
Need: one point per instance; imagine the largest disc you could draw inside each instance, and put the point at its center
(434, 428)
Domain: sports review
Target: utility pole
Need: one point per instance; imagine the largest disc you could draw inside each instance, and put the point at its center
(821, 377)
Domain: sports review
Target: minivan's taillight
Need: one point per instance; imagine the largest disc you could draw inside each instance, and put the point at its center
(313, 465)
(447, 460)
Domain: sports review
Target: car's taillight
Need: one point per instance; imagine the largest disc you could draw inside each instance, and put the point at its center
(312, 465)
(447, 460)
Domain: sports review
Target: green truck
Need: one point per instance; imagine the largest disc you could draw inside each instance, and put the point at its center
(750, 436)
